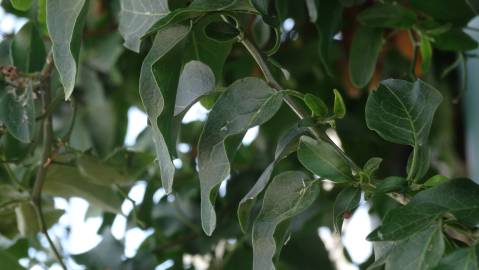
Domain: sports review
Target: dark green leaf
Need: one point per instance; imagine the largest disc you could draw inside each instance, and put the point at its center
(137, 16)
(346, 202)
(435, 180)
(372, 165)
(391, 184)
(246, 103)
(474, 4)
(321, 159)
(402, 112)
(27, 220)
(456, 12)
(221, 31)
(28, 51)
(365, 48)
(454, 40)
(9, 261)
(289, 194)
(65, 20)
(100, 173)
(387, 15)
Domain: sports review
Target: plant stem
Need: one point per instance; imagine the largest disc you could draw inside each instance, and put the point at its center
(295, 107)
(45, 161)
(415, 55)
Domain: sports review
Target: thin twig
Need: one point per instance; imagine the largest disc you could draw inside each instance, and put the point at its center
(46, 156)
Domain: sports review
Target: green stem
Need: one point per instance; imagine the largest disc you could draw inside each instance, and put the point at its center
(415, 55)
(414, 164)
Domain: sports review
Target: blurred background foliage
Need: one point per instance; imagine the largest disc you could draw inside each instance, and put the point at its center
(316, 46)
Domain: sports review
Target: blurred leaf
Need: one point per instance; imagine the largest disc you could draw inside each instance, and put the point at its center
(65, 20)
(365, 48)
(456, 12)
(345, 204)
(289, 194)
(9, 261)
(17, 112)
(27, 221)
(425, 48)
(402, 112)
(66, 181)
(137, 16)
(454, 40)
(435, 180)
(387, 15)
(22, 5)
(372, 165)
(391, 184)
(196, 80)
(321, 159)
(246, 103)
(100, 173)
(106, 255)
(28, 51)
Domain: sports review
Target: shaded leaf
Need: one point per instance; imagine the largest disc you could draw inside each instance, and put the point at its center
(316, 105)
(390, 15)
(137, 16)
(321, 159)
(152, 96)
(365, 48)
(391, 184)
(346, 202)
(289, 194)
(287, 144)
(28, 52)
(65, 20)
(196, 80)
(435, 180)
(9, 261)
(221, 31)
(456, 12)
(372, 165)
(402, 112)
(460, 259)
(339, 107)
(17, 112)
(454, 40)
(246, 103)
(106, 255)
(27, 221)
(66, 181)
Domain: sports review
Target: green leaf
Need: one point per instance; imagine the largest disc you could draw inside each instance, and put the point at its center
(137, 16)
(389, 15)
(65, 21)
(316, 105)
(402, 222)
(459, 196)
(221, 31)
(346, 202)
(328, 22)
(66, 181)
(435, 180)
(391, 184)
(365, 48)
(289, 194)
(460, 259)
(456, 12)
(425, 48)
(198, 8)
(372, 165)
(22, 5)
(402, 112)
(100, 173)
(17, 111)
(321, 159)
(454, 40)
(423, 161)
(474, 4)
(423, 250)
(28, 52)
(9, 261)
(287, 144)
(246, 103)
(27, 221)
(339, 108)
(152, 96)
(196, 81)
